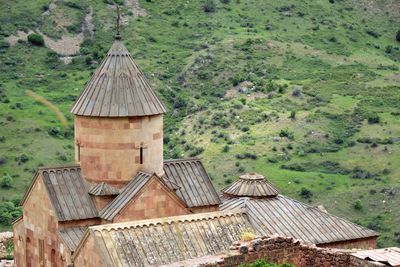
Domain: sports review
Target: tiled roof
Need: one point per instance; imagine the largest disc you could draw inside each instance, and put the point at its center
(251, 185)
(129, 192)
(166, 240)
(103, 189)
(386, 256)
(288, 217)
(72, 236)
(196, 188)
(118, 88)
(68, 193)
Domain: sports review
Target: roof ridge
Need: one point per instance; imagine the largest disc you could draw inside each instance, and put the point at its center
(181, 159)
(67, 166)
(168, 220)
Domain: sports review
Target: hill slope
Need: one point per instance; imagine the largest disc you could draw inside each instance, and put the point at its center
(304, 92)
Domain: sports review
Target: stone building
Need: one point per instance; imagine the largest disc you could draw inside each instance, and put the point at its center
(122, 204)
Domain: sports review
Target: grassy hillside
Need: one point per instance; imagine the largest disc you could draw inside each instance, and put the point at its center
(304, 92)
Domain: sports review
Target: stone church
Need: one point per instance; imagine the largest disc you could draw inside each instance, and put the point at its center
(122, 204)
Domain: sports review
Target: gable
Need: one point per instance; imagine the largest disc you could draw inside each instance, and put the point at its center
(155, 200)
(37, 205)
(134, 189)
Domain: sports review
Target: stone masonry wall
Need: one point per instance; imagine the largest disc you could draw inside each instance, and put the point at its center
(285, 250)
(38, 228)
(108, 149)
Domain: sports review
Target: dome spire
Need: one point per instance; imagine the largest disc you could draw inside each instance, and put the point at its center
(118, 34)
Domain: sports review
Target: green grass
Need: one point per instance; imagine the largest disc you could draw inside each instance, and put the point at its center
(346, 75)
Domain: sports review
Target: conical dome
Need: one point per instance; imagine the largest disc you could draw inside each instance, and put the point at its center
(118, 88)
(251, 185)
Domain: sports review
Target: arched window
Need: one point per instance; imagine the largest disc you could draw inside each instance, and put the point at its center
(28, 258)
(53, 258)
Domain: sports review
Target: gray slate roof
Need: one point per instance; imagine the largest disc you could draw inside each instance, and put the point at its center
(103, 189)
(118, 88)
(386, 256)
(166, 240)
(72, 236)
(251, 185)
(195, 187)
(288, 217)
(68, 193)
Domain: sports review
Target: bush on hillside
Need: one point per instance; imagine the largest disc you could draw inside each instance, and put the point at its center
(306, 193)
(209, 6)
(6, 181)
(36, 39)
(398, 36)
(372, 119)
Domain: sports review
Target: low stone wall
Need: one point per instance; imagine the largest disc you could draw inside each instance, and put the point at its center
(285, 250)
(5, 237)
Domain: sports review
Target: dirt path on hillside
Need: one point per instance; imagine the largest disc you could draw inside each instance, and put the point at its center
(66, 46)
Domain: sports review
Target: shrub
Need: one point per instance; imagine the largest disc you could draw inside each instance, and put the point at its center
(247, 235)
(357, 205)
(294, 167)
(36, 39)
(373, 33)
(22, 159)
(296, 92)
(293, 115)
(209, 6)
(373, 119)
(77, 6)
(286, 133)
(6, 181)
(398, 36)
(196, 151)
(225, 149)
(9, 212)
(306, 193)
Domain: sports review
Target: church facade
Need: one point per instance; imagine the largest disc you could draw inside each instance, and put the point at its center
(122, 204)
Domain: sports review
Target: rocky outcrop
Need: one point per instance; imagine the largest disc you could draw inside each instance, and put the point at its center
(6, 240)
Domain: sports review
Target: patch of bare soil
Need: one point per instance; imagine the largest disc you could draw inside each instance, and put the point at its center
(52, 6)
(390, 7)
(137, 10)
(20, 35)
(88, 26)
(66, 46)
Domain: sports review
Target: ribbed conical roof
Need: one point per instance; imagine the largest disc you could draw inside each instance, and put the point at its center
(118, 88)
(251, 185)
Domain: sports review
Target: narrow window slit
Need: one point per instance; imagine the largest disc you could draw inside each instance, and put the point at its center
(141, 155)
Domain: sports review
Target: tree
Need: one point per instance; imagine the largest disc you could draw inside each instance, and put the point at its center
(398, 36)
(36, 39)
